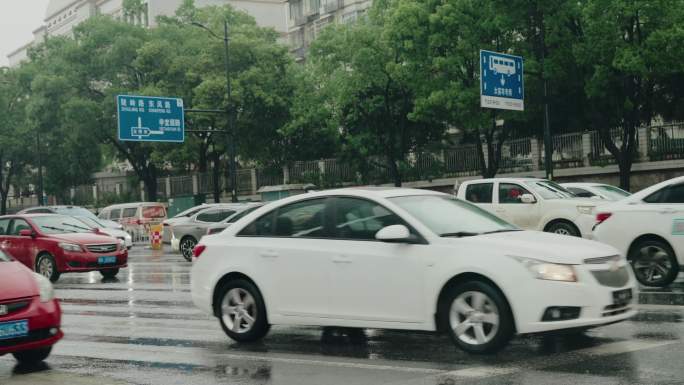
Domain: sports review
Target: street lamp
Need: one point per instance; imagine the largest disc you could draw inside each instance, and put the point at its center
(229, 115)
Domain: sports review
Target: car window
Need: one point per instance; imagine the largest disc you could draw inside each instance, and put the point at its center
(510, 193)
(103, 215)
(17, 225)
(215, 215)
(262, 227)
(549, 190)
(582, 193)
(129, 212)
(39, 211)
(223, 214)
(302, 220)
(612, 192)
(360, 219)
(479, 192)
(674, 194)
(241, 215)
(4, 257)
(154, 212)
(115, 214)
(4, 226)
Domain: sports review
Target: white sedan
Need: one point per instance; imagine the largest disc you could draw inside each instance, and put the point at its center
(97, 224)
(648, 227)
(404, 259)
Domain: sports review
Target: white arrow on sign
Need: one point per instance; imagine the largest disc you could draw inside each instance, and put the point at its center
(141, 131)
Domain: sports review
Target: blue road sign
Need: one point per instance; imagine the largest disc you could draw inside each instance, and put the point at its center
(150, 119)
(501, 81)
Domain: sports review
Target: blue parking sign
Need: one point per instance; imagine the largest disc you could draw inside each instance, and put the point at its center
(501, 81)
(150, 119)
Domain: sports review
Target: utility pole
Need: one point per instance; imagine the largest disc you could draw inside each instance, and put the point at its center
(40, 170)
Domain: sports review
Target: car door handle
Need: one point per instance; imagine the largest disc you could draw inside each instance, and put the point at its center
(269, 254)
(342, 260)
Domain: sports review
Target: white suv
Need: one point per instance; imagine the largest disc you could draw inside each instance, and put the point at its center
(532, 204)
(648, 227)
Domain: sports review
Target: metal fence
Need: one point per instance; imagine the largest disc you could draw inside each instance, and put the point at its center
(516, 156)
(666, 142)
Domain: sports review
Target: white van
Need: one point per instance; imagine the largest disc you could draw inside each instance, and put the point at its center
(136, 218)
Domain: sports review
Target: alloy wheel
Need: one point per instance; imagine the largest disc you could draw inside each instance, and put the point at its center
(238, 310)
(45, 268)
(474, 318)
(186, 247)
(652, 264)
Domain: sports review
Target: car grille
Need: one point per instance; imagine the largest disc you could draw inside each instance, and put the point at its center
(13, 307)
(601, 260)
(101, 249)
(612, 310)
(617, 278)
(34, 335)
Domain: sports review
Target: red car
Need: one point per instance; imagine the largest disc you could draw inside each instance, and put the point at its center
(54, 244)
(29, 313)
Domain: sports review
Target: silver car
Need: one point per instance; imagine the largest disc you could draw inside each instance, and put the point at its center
(186, 234)
(218, 227)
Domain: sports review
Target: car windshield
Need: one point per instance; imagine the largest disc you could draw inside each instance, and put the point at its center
(74, 212)
(4, 257)
(550, 190)
(447, 216)
(236, 217)
(189, 212)
(612, 192)
(91, 223)
(60, 224)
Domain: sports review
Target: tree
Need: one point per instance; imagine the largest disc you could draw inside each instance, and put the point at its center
(630, 50)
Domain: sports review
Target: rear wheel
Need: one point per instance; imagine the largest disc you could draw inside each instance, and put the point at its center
(47, 267)
(654, 263)
(242, 312)
(32, 356)
(563, 228)
(110, 273)
(477, 317)
(187, 244)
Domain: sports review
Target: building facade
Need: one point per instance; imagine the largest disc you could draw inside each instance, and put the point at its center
(63, 15)
(307, 18)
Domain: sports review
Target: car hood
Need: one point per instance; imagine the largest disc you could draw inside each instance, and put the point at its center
(16, 281)
(84, 238)
(542, 246)
(114, 233)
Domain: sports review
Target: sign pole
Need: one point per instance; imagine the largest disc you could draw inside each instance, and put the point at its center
(548, 143)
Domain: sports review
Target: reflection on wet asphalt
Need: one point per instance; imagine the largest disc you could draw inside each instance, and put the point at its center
(142, 328)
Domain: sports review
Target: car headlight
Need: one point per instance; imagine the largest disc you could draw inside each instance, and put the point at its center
(549, 271)
(45, 289)
(122, 243)
(70, 247)
(585, 209)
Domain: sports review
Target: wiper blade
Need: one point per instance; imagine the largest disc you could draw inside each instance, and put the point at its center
(502, 231)
(77, 227)
(459, 234)
(57, 229)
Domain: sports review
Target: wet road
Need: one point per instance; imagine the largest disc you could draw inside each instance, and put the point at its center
(142, 328)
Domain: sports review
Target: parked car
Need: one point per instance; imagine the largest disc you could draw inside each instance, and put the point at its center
(404, 259)
(136, 218)
(220, 226)
(183, 216)
(186, 234)
(30, 316)
(596, 191)
(532, 204)
(99, 227)
(72, 211)
(649, 228)
(52, 244)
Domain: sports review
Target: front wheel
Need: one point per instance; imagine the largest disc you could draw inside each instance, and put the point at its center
(563, 228)
(110, 273)
(29, 357)
(187, 244)
(242, 312)
(654, 263)
(477, 317)
(46, 266)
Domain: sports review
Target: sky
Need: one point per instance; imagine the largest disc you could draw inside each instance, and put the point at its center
(18, 20)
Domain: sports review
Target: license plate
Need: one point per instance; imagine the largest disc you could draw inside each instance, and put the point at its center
(15, 329)
(106, 260)
(622, 297)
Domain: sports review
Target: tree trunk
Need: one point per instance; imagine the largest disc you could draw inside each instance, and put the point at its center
(216, 177)
(394, 171)
(625, 167)
(202, 162)
(150, 180)
(3, 203)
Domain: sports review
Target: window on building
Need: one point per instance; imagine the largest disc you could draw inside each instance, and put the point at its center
(295, 9)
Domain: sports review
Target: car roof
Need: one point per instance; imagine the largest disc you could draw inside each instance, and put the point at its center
(36, 215)
(489, 180)
(372, 192)
(133, 204)
(584, 184)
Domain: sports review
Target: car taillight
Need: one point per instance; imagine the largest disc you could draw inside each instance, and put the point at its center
(602, 217)
(198, 250)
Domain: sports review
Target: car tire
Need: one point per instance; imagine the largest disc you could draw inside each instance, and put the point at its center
(563, 228)
(186, 245)
(477, 317)
(47, 267)
(654, 262)
(30, 357)
(109, 273)
(236, 300)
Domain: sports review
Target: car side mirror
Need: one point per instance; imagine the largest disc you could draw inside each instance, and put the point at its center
(528, 198)
(395, 234)
(26, 233)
